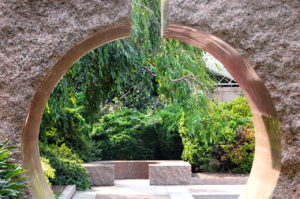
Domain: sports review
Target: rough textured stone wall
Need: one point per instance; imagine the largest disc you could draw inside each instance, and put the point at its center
(266, 33)
(33, 36)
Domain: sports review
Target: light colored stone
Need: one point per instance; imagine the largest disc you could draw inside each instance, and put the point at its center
(85, 195)
(133, 169)
(266, 33)
(219, 181)
(35, 35)
(102, 174)
(68, 192)
(170, 173)
(179, 193)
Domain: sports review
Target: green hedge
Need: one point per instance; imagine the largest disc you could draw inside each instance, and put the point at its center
(119, 135)
(223, 141)
(128, 134)
(67, 165)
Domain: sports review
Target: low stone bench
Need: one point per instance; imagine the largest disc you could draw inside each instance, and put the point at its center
(133, 169)
(170, 173)
(159, 172)
(102, 173)
(68, 192)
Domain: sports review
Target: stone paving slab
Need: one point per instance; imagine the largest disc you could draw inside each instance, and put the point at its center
(141, 189)
(132, 187)
(218, 179)
(85, 195)
(176, 192)
(215, 189)
(68, 192)
(215, 197)
(100, 196)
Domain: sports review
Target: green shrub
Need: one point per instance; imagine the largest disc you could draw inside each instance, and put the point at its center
(223, 141)
(164, 123)
(48, 171)
(67, 165)
(11, 185)
(119, 136)
(241, 153)
(128, 134)
(70, 128)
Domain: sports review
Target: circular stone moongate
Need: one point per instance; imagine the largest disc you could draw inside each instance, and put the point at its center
(39, 41)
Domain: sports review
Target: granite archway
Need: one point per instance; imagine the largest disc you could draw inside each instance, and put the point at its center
(43, 40)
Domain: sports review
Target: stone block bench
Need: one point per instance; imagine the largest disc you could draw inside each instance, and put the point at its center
(133, 169)
(102, 173)
(170, 173)
(68, 192)
(159, 172)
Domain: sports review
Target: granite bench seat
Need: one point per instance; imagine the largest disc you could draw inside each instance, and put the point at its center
(102, 173)
(170, 173)
(159, 172)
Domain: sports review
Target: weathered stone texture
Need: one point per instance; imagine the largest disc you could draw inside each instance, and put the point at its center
(266, 33)
(132, 169)
(33, 36)
(170, 173)
(102, 174)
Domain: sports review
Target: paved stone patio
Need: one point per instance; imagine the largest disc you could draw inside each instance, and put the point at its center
(140, 189)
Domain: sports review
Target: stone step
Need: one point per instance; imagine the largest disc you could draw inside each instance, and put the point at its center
(84, 195)
(219, 181)
(179, 193)
(68, 192)
(231, 196)
(216, 191)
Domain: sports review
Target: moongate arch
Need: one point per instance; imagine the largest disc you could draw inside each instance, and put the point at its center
(266, 165)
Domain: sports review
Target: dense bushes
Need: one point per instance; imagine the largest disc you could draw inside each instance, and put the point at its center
(165, 125)
(223, 141)
(128, 134)
(69, 128)
(67, 165)
(120, 136)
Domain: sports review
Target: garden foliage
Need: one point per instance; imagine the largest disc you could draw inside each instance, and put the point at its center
(48, 170)
(67, 164)
(128, 134)
(224, 139)
(143, 98)
(11, 184)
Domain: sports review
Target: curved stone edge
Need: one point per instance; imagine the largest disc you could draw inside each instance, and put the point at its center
(267, 35)
(33, 37)
(68, 192)
(31, 156)
(266, 164)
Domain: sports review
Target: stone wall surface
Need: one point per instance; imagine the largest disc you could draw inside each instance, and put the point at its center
(266, 33)
(102, 174)
(33, 36)
(170, 173)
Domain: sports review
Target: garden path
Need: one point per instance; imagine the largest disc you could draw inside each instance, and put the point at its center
(140, 189)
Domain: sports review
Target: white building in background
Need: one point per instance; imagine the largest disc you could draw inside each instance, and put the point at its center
(227, 87)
